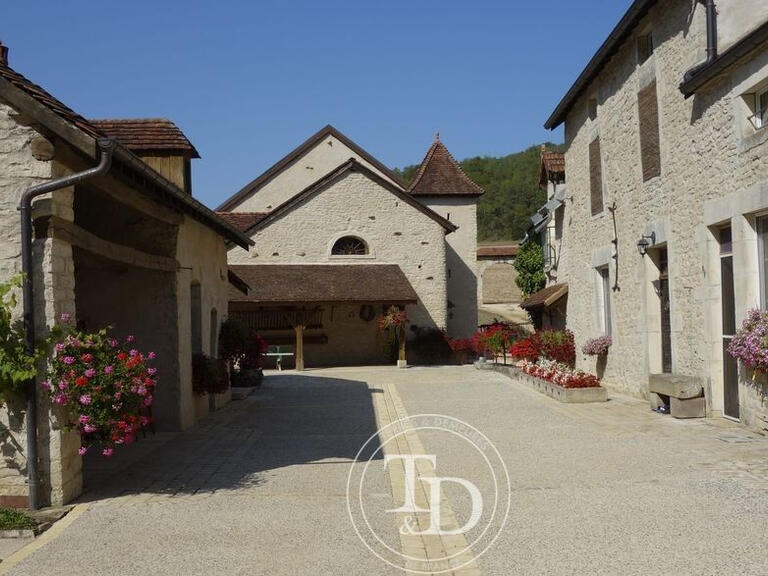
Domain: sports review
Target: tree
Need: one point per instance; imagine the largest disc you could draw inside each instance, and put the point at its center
(530, 267)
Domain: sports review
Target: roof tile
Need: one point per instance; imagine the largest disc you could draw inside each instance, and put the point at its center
(147, 134)
(440, 175)
(279, 284)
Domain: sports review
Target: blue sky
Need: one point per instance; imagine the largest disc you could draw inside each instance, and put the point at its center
(249, 80)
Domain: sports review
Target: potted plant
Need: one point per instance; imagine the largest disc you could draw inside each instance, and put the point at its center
(394, 321)
(597, 346)
(252, 360)
(750, 344)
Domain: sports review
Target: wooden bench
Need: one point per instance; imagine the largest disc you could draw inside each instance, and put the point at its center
(684, 394)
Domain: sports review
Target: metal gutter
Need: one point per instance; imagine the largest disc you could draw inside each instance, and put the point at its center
(721, 63)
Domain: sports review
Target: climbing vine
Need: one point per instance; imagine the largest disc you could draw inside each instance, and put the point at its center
(16, 366)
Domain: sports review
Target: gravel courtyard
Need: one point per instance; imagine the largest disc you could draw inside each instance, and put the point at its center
(259, 488)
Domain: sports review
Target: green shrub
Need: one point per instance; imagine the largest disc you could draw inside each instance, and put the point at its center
(530, 268)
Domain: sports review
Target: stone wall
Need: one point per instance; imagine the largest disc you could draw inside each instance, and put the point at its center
(26, 159)
(461, 259)
(497, 279)
(706, 156)
(328, 154)
(396, 233)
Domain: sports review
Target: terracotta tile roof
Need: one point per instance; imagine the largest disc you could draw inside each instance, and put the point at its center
(440, 175)
(243, 221)
(545, 298)
(505, 251)
(43, 97)
(147, 135)
(78, 125)
(553, 161)
(323, 283)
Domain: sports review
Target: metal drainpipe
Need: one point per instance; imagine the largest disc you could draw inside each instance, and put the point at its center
(106, 146)
(711, 31)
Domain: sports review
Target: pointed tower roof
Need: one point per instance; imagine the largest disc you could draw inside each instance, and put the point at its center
(440, 175)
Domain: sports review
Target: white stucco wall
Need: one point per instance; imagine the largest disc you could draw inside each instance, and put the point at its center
(318, 161)
(396, 233)
(461, 260)
(737, 18)
(708, 155)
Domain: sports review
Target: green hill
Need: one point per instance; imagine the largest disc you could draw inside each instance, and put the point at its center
(512, 192)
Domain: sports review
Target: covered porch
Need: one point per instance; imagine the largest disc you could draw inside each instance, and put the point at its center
(321, 315)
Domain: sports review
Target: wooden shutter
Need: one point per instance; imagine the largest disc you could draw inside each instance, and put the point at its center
(595, 177)
(650, 152)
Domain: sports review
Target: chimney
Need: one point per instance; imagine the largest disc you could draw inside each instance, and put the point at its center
(3, 54)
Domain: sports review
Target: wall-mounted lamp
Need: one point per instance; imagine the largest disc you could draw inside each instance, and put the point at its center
(646, 242)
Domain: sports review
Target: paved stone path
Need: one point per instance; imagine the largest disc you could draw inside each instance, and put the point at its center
(259, 488)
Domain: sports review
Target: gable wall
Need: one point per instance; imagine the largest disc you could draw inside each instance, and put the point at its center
(327, 155)
(396, 233)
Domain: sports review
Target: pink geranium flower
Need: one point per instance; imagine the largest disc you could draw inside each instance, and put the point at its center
(108, 452)
(85, 399)
(108, 369)
(82, 450)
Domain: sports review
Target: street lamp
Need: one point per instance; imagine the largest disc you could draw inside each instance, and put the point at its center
(645, 242)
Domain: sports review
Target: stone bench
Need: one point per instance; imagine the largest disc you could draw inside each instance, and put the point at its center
(684, 394)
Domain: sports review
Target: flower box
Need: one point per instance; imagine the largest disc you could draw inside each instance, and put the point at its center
(565, 395)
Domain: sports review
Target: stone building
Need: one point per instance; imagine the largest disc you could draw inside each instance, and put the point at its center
(496, 274)
(664, 233)
(329, 212)
(130, 248)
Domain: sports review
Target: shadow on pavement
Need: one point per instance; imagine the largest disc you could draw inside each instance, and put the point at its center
(292, 419)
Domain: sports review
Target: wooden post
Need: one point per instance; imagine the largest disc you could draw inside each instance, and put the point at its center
(299, 347)
(401, 361)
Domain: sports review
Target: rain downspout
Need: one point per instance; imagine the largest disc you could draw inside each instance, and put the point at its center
(25, 207)
(711, 39)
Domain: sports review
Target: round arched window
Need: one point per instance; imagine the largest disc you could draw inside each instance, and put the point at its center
(349, 246)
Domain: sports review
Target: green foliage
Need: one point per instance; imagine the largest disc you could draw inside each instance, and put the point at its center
(233, 335)
(512, 192)
(530, 268)
(16, 366)
(11, 519)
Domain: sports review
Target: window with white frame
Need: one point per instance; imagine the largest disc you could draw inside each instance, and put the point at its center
(604, 289)
(757, 102)
(762, 251)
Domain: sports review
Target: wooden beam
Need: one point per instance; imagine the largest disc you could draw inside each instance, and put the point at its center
(299, 347)
(76, 236)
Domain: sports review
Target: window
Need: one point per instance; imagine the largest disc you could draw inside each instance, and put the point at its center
(595, 177)
(349, 246)
(196, 320)
(760, 119)
(644, 47)
(762, 250)
(605, 297)
(650, 152)
(592, 108)
(214, 334)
